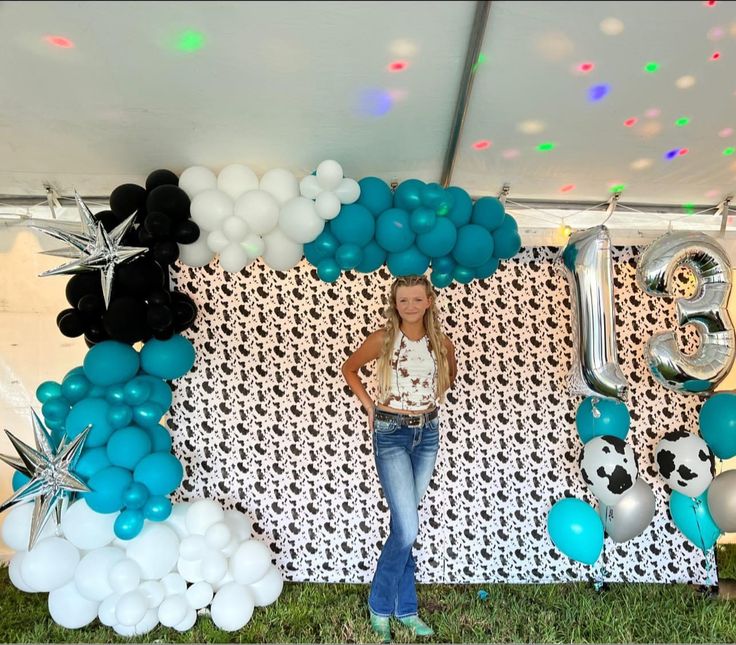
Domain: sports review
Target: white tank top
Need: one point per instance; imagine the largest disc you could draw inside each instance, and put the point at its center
(413, 374)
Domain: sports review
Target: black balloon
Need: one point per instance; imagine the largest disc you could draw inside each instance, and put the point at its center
(164, 334)
(184, 309)
(161, 177)
(168, 199)
(109, 219)
(82, 284)
(91, 305)
(70, 323)
(159, 298)
(139, 277)
(159, 318)
(158, 224)
(125, 319)
(95, 332)
(145, 237)
(186, 232)
(127, 199)
(166, 252)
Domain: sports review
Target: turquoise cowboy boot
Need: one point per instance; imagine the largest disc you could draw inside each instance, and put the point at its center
(417, 625)
(380, 625)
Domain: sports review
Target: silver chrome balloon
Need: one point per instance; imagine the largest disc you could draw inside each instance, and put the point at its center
(702, 371)
(722, 501)
(587, 261)
(630, 516)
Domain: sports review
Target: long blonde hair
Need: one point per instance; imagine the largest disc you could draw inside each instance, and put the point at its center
(434, 334)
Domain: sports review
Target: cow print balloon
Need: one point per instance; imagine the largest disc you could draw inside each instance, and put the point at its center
(685, 462)
(609, 467)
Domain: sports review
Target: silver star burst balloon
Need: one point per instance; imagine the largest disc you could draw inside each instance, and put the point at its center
(49, 468)
(93, 249)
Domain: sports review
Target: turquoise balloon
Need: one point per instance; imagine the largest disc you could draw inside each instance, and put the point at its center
(436, 199)
(160, 390)
(56, 408)
(119, 415)
(613, 419)
(157, 508)
(75, 370)
(463, 275)
(488, 212)
(75, 387)
(323, 246)
(474, 246)
(506, 239)
(441, 280)
(160, 438)
(328, 270)
(91, 461)
(393, 231)
(128, 524)
(408, 195)
(19, 480)
(422, 220)
(375, 195)
(373, 257)
(718, 424)
(409, 262)
(111, 362)
(462, 206)
(107, 488)
(348, 256)
(161, 473)
(696, 385)
(148, 414)
(445, 264)
(354, 225)
(136, 391)
(128, 446)
(692, 517)
(48, 390)
(115, 394)
(167, 359)
(440, 240)
(97, 392)
(486, 270)
(135, 496)
(576, 530)
(86, 411)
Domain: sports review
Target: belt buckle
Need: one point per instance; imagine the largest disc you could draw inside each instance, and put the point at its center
(415, 422)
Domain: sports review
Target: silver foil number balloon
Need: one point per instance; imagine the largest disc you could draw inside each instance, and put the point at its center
(700, 372)
(587, 261)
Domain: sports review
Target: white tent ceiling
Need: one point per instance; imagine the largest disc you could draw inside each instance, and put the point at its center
(287, 84)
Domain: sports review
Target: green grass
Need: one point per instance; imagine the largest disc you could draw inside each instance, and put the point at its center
(726, 557)
(337, 613)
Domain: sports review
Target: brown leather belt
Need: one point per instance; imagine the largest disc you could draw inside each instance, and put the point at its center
(410, 420)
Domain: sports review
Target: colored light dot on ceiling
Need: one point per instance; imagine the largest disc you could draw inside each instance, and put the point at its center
(617, 188)
(641, 164)
(544, 147)
(712, 193)
(398, 66)
(653, 113)
(651, 67)
(715, 55)
(374, 102)
(190, 41)
(530, 127)
(403, 47)
(726, 132)
(710, 3)
(728, 151)
(682, 121)
(481, 59)
(685, 82)
(511, 153)
(586, 67)
(630, 123)
(689, 208)
(482, 144)
(59, 41)
(567, 188)
(682, 152)
(716, 33)
(598, 92)
(671, 154)
(611, 26)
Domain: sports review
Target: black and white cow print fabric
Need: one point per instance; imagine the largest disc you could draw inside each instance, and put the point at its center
(265, 423)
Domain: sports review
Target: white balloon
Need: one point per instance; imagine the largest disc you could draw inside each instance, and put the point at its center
(236, 179)
(177, 519)
(347, 191)
(150, 620)
(250, 562)
(217, 241)
(70, 609)
(329, 174)
(281, 183)
(218, 535)
(189, 619)
(50, 564)
(196, 254)
(214, 566)
(192, 547)
(210, 208)
(327, 205)
(190, 570)
(224, 581)
(16, 529)
(197, 179)
(199, 595)
(124, 575)
(231, 547)
(86, 529)
(93, 571)
(131, 608)
(309, 187)
(174, 584)
(153, 591)
(239, 524)
(106, 610)
(232, 607)
(202, 514)
(235, 229)
(267, 589)
(172, 610)
(281, 253)
(155, 549)
(299, 220)
(15, 574)
(124, 630)
(259, 209)
(233, 258)
(253, 245)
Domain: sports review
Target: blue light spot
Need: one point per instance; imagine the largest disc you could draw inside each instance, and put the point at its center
(374, 102)
(671, 154)
(597, 92)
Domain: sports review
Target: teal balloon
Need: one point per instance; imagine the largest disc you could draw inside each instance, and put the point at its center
(506, 239)
(167, 359)
(97, 392)
(696, 385)
(111, 362)
(375, 195)
(409, 262)
(136, 391)
(474, 246)
(75, 387)
(56, 408)
(323, 246)
(373, 257)
(488, 212)
(440, 240)
(441, 280)
(48, 390)
(692, 517)
(422, 220)
(19, 480)
(613, 419)
(75, 370)
(486, 270)
(115, 394)
(393, 230)
(436, 198)
(88, 411)
(348, 256)
(328, 270)
(463, 275)
(119, 415)
(408, 195)
(445, 264)
(128, 524)
(718, 424)
(107, 488)
(157, 508)
(462, 206)
(135, 496)
(576, 530)
(161, 473)
(353, 225)
(128, 446)
(148, 414)
(160, 392)
(91, 461)
(160, 438)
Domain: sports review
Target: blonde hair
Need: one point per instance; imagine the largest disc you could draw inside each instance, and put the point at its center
(434, 334)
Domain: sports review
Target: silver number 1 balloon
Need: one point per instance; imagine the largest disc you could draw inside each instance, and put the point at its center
(587, 260)
(701, 372)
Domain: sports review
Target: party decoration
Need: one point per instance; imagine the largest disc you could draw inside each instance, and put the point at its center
(685, 462)
(588, 265)
(718, 424)
(609, 467)
(702, 371)
(722, 501)
(692, 517)
(596, 417)
(631, 515)
(576, 530)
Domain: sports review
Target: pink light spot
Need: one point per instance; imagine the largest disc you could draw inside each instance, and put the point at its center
(710, 3)
(59, 41)
(629, 123)
(398, 66)
(483, 144)
(511, 153)
(715, 56)
(682, 151)
(586, 67)
(726, 132)
(567, 188)
(653, 113)
(712, 193)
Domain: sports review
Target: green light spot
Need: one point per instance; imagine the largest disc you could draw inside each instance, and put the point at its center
(689, 208)
(547, 145)
(479, 62)
(190, 41)
(618, 188)
(682, 121)
(728, 151)
(651, 67)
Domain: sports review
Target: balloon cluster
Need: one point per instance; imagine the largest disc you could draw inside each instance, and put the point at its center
(126, 460)
(244, 218)
(134, 585)
(418, 226)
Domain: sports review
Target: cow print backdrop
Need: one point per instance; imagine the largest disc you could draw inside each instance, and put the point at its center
(265, 423)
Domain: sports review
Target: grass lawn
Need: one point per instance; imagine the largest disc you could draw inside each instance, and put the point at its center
(336, 613)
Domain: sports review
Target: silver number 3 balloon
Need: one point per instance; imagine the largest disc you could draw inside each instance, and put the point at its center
(701, 372)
